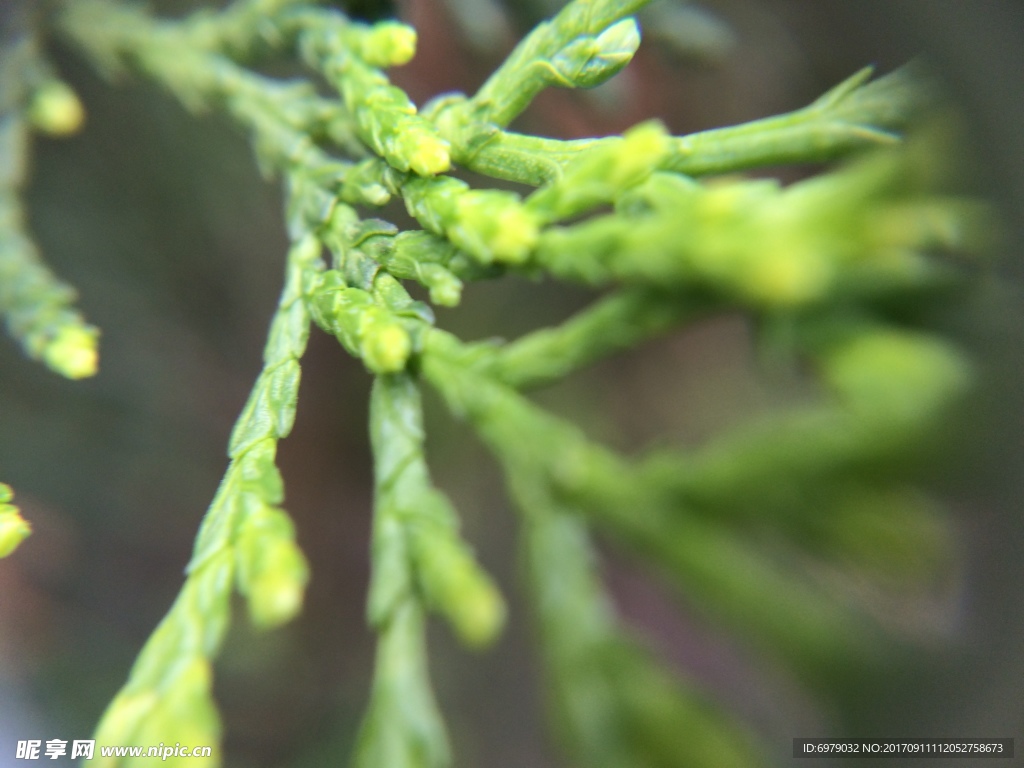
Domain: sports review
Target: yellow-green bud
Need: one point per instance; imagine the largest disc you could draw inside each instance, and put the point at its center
(643, 146)
(14, 529)
(56, 110)
(276, 592)
(473, 604)
(445, 288)
(458, 587)
(73, 352)
(386, 348)
(389, 44)
(428, 155)
(786, 277)
(494, 226)
(599, 176)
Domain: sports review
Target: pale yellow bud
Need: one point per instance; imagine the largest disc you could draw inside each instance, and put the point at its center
(14, 529)
(73, 352)
(389, 44)
(56, 110)
(387, 348)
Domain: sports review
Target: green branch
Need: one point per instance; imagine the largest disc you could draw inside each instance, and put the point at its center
(245, 539)
(38, 308)
(584, 45)
(852, 116)
(730, 523)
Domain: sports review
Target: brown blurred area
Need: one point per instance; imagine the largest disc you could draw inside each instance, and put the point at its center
(176, 245)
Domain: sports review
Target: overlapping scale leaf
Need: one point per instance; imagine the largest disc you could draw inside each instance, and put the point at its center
(169, 696)
(490, 225)
(441, 565)
(402, 727)
(364, 327)
(598, 177)
(590, 60)
(418, 560)
(386, 118)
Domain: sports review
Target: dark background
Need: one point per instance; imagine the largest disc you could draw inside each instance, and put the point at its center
(176, 246)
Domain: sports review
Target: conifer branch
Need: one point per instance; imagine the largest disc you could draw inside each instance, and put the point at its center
(629, 213)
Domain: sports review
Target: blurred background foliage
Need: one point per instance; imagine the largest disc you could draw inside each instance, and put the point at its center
(176, 246)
